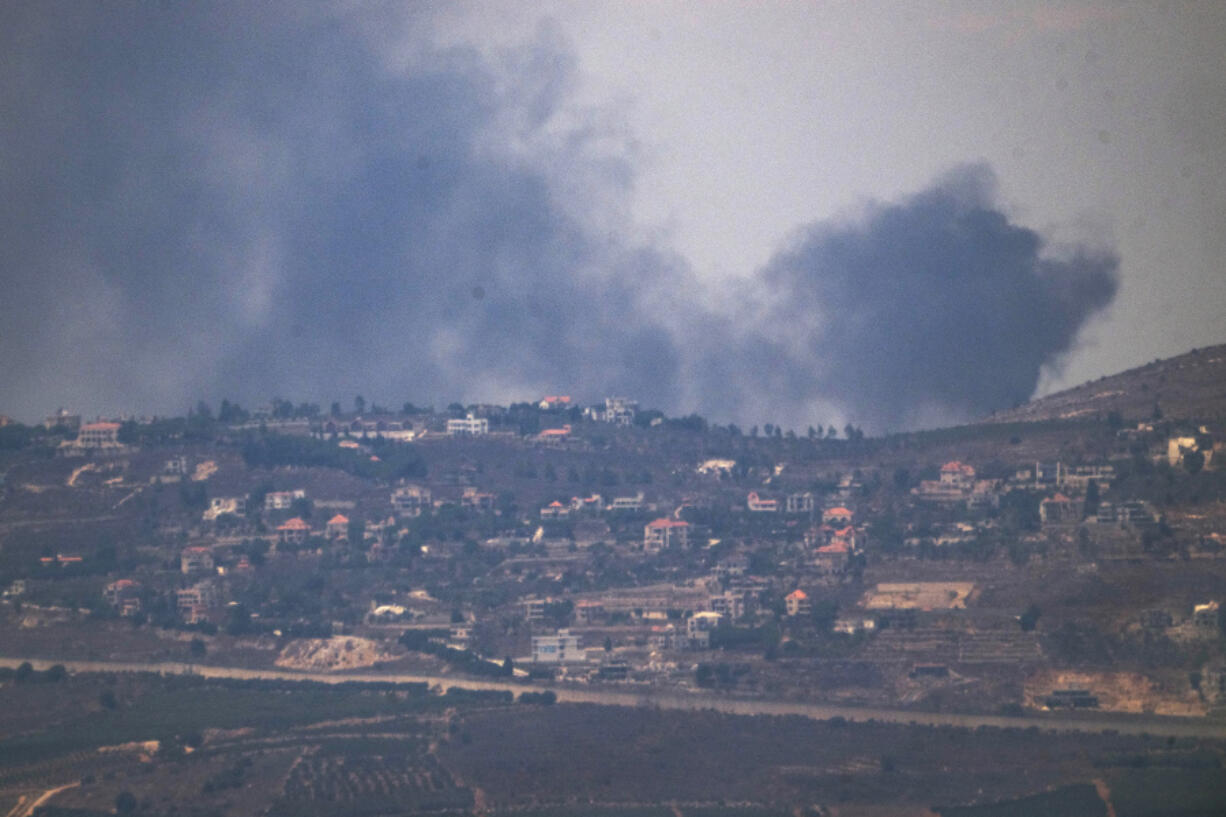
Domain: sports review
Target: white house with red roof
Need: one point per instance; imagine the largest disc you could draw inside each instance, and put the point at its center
(294, 530)
(797, 603)
(665, 533)
(555, 510)
(337, 527)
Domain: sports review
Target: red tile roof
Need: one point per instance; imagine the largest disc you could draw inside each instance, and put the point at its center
(668, 523)
(295, 524)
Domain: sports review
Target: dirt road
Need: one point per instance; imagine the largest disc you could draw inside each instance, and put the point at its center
(1056, 722)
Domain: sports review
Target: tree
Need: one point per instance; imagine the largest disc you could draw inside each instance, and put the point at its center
(336, 408)
(107, 700)
(1193, 462)
(359, 404)
(508, 666)
(1029, 618)
(24, 672)
(1092, 499)
(125, 802)
(197, 648)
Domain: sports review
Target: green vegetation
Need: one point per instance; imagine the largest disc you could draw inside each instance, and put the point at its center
(391, 460)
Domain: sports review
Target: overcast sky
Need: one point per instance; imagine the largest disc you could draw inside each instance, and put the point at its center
(793, 211)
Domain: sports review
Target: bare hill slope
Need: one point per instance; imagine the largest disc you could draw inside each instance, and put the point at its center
(1191, 386)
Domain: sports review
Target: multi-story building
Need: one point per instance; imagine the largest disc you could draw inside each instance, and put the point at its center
(626, 503)
(619, 411)
(98, 435)
(797, 603)
(561, 648)
(411, 500)
(665, 533)
(124, 596)
(282, 500)
(196, 560)
(194, 602)
(470, 426)
(800, 503)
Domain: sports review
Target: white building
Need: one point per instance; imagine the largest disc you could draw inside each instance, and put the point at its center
(665, 533)
(98, 435)
(562, 648)
(282, 500)
(626, 503)
(411, 500)
(470, 426)
(619, 411)
(800, 503)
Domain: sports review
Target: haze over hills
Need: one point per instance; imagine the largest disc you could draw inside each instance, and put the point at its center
(1190, 386)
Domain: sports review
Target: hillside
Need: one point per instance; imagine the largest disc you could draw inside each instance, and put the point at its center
(1191, 386)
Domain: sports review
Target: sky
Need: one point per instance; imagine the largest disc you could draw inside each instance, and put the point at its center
(894, 215)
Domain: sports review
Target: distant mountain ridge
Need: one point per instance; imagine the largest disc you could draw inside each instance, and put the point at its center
(1191, 386)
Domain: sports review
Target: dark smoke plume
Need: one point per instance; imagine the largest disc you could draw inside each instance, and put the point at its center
(265, 199)
(933, 310)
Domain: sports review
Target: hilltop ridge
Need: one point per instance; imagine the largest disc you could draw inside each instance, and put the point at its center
(1191, 386)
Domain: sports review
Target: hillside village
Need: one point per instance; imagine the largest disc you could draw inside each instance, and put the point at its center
(1073, 563)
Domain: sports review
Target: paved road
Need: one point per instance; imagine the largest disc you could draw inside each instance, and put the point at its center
(1058, 722)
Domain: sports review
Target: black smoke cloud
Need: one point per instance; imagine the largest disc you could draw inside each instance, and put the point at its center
(255, 199)
(932, 310)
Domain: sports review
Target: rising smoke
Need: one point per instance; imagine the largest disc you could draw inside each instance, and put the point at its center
(259, 199)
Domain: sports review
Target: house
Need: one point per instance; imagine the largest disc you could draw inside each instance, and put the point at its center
(667, 637)
(1133, 512)
(591, 504)
(534, 608)
(219, 505)
(554, 436)
(832, 559)
(193, 603)
(337, 527)
(665, 533)
(293, 531)
(956, 482)
(282, 500)
(62, 419)
(1206, 618)
(124, 596)
(175, 467)
(797, 603)
(470, 426)
(698, 628)
(757, 504)
(836, 516)
(731, 605)
(589, 612)
(411, 500)
(555, 510)
(619, 411)
(481, 501)
(98, 435)
(627, 503)
(555, 402)
(800, 503)
(560, 648)
(1059, 509)
(196, 560)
